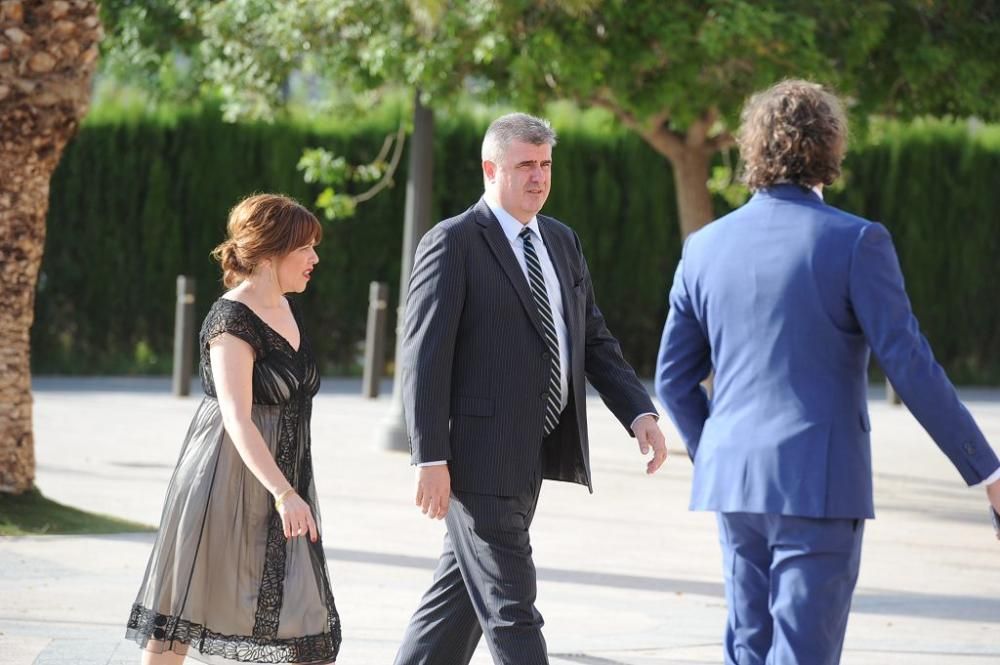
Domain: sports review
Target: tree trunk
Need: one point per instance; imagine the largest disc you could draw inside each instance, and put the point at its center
(689, 154)
(694, 201)
(48, 51)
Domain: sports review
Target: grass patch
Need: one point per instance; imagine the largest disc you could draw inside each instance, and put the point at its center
(31, 514)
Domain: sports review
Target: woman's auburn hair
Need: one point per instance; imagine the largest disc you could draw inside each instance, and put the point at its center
(795, 131)
(261, 227)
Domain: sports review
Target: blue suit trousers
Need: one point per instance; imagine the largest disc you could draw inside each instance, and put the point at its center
(789, 582)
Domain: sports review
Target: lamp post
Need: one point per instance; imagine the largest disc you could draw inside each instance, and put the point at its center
(391, 434)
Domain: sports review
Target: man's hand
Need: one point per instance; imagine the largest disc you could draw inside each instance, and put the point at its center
(433, 490)
(648, 433)
(993, 492)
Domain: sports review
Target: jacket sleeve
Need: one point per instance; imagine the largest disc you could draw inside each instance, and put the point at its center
(882, 308)
(683, 362)
(605, 366)
(433, 308)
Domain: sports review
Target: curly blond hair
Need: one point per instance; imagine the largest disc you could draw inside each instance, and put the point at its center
(795, 131)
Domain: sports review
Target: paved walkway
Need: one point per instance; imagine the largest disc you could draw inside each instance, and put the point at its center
(627, 576)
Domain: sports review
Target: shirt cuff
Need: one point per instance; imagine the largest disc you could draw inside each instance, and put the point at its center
(438, 463)
(992, 478)
(650, 413)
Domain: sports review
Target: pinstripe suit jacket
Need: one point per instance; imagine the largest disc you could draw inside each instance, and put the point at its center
(475, 365)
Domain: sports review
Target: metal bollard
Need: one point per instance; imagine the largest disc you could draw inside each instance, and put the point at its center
(891, 396)
(378, 300)
(183, 335)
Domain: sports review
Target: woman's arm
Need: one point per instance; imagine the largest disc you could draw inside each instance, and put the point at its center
(232, 368)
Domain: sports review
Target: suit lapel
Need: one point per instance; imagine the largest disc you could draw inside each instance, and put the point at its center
(501, 249)
(557, 253)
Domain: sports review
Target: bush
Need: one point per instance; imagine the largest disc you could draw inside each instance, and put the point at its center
(138, 200)
(933, 184)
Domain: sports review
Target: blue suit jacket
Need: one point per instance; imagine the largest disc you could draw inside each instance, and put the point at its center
(784, 298)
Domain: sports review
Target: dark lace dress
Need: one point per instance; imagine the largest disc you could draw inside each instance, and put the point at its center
(223, 584)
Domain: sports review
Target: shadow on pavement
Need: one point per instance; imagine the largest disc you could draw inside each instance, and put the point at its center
(927, 605)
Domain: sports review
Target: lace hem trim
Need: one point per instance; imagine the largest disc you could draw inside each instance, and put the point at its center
(145, 625)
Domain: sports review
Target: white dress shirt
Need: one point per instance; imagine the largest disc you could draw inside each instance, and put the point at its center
(993, 477)
(512, 229)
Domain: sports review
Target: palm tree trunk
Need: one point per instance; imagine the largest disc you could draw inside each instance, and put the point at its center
(48, 51)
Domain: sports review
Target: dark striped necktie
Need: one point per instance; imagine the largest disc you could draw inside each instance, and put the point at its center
(553, 401)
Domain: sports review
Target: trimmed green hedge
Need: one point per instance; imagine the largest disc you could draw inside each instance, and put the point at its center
(934, 185)
(136, 203)
(138, 200)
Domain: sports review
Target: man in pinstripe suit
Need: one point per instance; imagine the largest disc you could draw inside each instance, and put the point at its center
(501, 332)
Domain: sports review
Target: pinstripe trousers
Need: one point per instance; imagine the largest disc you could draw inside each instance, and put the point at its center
(484, 584)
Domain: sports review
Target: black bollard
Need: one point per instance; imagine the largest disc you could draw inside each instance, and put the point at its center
(378, 301)
(183, 335)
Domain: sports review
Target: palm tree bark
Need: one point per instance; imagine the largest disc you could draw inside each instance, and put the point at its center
(48, 51)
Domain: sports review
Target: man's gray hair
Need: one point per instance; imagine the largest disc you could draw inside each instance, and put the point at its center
(515, 127)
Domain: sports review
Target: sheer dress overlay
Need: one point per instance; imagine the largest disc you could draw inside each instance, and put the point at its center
(223, 585)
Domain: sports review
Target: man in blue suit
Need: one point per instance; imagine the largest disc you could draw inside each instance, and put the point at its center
(783, 299)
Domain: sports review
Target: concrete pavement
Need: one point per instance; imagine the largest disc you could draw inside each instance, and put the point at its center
(626, 577)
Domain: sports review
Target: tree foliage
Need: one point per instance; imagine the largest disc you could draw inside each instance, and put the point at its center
(676, 73)
(673, 61)
(157, 204)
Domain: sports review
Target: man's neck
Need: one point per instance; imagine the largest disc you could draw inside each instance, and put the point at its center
(493, 201)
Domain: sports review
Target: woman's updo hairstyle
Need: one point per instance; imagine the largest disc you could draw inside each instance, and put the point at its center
(261, 227)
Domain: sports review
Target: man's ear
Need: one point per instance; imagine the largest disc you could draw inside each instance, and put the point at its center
(489, 170)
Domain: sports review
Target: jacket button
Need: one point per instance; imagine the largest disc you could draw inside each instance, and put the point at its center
(545, 355)
(970, 449)
(543, 395)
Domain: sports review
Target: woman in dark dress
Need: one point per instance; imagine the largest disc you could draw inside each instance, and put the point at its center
(237, 573)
